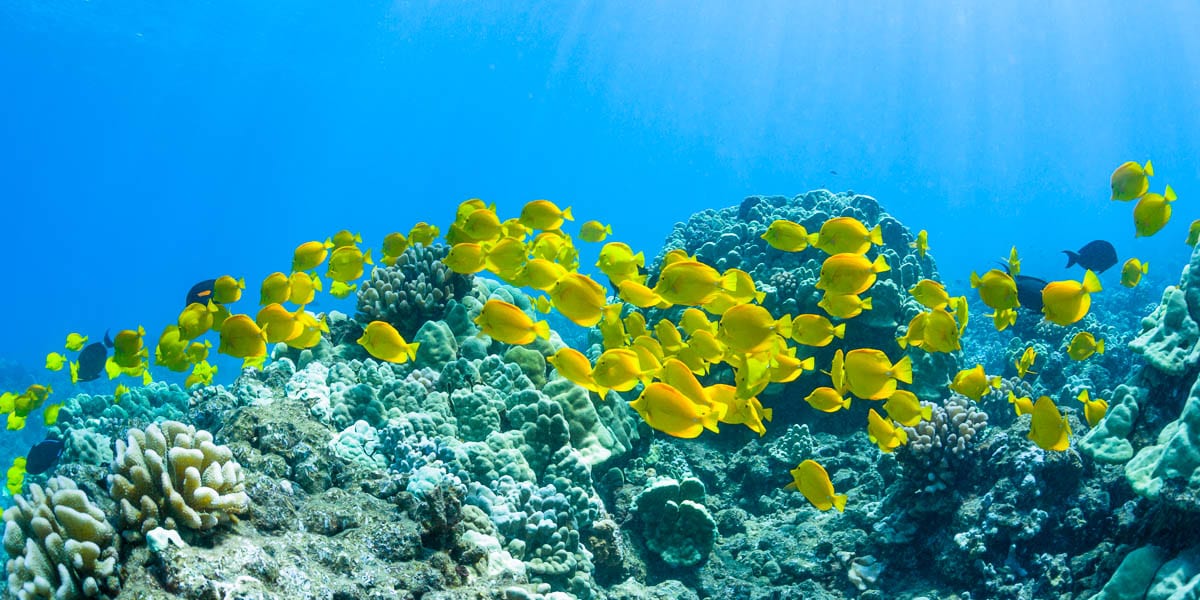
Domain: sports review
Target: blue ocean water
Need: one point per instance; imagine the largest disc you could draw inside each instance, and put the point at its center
(145, 146)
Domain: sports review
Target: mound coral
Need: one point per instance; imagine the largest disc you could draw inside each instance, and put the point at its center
(416, 289)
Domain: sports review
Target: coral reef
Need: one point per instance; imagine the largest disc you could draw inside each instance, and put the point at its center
(416, 289)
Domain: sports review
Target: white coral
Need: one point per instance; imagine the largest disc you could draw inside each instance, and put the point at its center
(174, 476)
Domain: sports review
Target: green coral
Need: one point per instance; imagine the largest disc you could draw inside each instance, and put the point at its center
(1169, 335)
(675, 523)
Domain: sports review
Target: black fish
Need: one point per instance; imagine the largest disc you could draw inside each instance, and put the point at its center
(91, 361)
(43, 455)
(1029, 292)
(201, 293)
(1097, 256)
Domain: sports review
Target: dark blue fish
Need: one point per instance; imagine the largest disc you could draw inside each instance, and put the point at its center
(1097, 256)
(91, 360)
(1029, 292)
(201, 293)
(43, 455)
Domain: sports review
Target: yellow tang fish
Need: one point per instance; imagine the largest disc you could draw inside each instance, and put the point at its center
(837, 372)
(1129, 181)
(304, 287)
(639, 295)
(1083, 345)
(691, 283)
(242, 338)
(1022, 405)
(1025, 362)
(196, 319)
(423, 233)
(1132, 271)
(1093, 410)
(128, 350)
(827, 399)
(465, 258)
(1014, 262)
(906, 409)
(617, 258)
(706, 345)
(50, 414)
(507, 323)
(678, 255)
(1152, 212)
(844, 306)
(55, 361)
(810, 479)
(974, 382)
(666, 409)
(1049, 429)
(579, 299)
(786, 235)
(612, 328)
(594, 231)
(470, 205)
(76, 342)
(576, 368)
(738, 410)
(16, 476)
(619, 369)
(941, 333)
(278, 323)
(544, 215)
(816, 330)
(785, 367)
(1003, 319)
(383, 342)
(1193, 236)
(310, 255)
(750, 328)
(347, 263)
(694, 319)
(481, 225)
(845, 235)
(311, 330)
(508, 255)
(884, 433)
(202, 374)
(668, 336)
(197, 351)
(847, 273)
(276, 289)
(227, 290)
(170, 352)
(996, 288)
(1066, 302)
(541, 274)
(394, 245)
(740, 286)
(340, 289)
(930, 294)
(635, 324)
(915, 334)
(921, 244)
(871, 375)
(344, 238)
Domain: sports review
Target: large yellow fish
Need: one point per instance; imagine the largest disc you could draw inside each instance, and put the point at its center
(845, 235)
(870, 375)
(811, 479)
(816, 330)
(310, 255)
(466, 258)
(1049, 428)
(242, 338)
(1093, 410)
(974, 382)
(196, 319)
(347, 263)
(128, 349)
(1084, 345)
(906, 409)
(1066, 302)
(666, 409)
(750, 328)
(509, 324)
(278, 323)
(544, 215)
(383, 342)
(996, 288)
(848, 273)
(884, 433)
(1129, 181)
(1152, 212)
(579, 299)
(276, 289)
(786, 235)
(170, 350)
(691, 283)
(1132, 271)
(304, 287)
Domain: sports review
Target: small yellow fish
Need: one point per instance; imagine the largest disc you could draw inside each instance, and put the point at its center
(1025, 362)
(1193, 236)
(739, 410)
(844, 306)
(1049, 428)
(1022, 406)
(996, 288)
(594, 231)
(227, 290)
(1093, 410)
(465, 258)
(576, 368)
(1083, 345)
(974, 383)
(635, 325)
(279, 324)
(750, 328)
(481, 225)
(541, 274)
(816, 330)
(276, 289)
(55, 361)
(930, 294)
(579, 298)
(1066, 302)
(691, 283)
(509, 324)
(311, 330)
(1003, 319)
(128, 349)
(202, 374)
(639, 295)
(921, 244)
(1152, 212)
(394, 245)
(242, 338)
(304, 287)
(811, 479)
(693, 320)
(906, 409)
(423, 233)
(618, 260)
(668, 410)
(348, 263)
(170, 350)
(16, 476)
(827, 399)
(884, 433)
(786, 235)
(50, 415)
(508, 255)
(76, 342)
(383, 342)
(310, 255)
(339, 289)
(871, 375)
(1132, 271)
(849, 273)
(544, 215)
(619, 369)
(1129, 181)
(845, 235)
(121, 391)
(1014, 263)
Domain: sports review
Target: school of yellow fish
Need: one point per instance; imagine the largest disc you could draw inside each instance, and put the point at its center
(723, 322)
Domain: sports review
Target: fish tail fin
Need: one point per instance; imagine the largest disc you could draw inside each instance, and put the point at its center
(876, 235)
(975, 280)
(880, 265)
(1091, 283)
(566, 214)
(902, 341)
(813, 238)
(710, 418)
(768, 414)
(839, 331)
(866, 303)
(1169, 195)
(367, 257)
(839, 502)
(542, 329)
(784, 326)
(1100, 347)
(846, 402)
(902, 370)
(1149, 169)
(791, 487)
(995, 382)
(1072, 258)
(608, 229)
(1145, 268)
(411, 349)
(927, 412)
